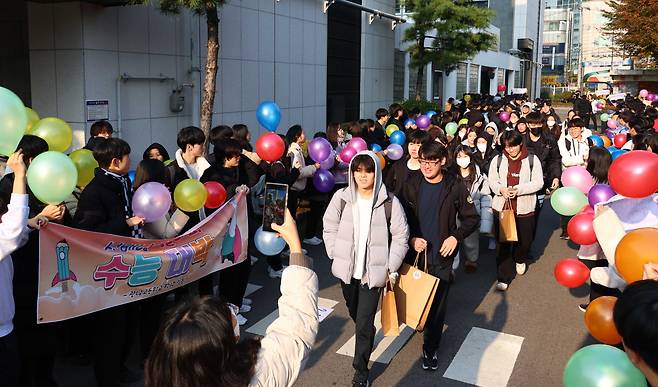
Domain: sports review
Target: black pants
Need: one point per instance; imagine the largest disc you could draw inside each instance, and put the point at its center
(314, 219)
(151, 315)
(564, 222)
(597, 290)
(293, 202)
(233, 282)
(362, 304)
(36, 345)
(510, 253)
(109, 341)
(9, 361)
(435, 319)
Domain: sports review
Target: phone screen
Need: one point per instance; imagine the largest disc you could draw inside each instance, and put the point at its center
(274, 208)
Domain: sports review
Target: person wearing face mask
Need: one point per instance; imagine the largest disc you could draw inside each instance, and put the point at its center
(484, 151)
(553, 128)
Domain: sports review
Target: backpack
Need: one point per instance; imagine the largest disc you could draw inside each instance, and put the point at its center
(531, 160)
(567, 144)
(388, 209)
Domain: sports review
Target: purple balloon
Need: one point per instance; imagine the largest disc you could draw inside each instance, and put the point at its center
(319, 149)
(324, 180)
(151, 201)
(329, 162)
(394, 152)
(422, 122)
(600, 193)
(358, 144)
(504, 116)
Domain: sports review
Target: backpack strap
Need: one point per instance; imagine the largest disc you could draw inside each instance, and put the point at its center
(531, 161)
(388, 210)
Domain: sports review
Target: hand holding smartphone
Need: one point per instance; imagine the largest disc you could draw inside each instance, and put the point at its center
(274, 208)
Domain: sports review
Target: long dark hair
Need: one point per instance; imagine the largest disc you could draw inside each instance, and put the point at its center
(471, 167)
(294, 133)
(151, 170)
(598, 163)
(332, 133)
(196, 347)
(240, 134)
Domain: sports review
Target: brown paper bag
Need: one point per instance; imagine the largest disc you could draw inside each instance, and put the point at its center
(507, 228)
(389, 313)
(414, 293)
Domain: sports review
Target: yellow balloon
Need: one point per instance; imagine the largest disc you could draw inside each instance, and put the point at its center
(55, 131)
(32, 118)
(86, 164)
(190, 195)
(390, 129)
(463, 121)
(467, 97)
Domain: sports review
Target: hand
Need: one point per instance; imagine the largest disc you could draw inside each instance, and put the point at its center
(297, 164)
(135, 221)
(505, 191)
(242, 188)
(555, 184)
(650, 271)
(418, 244)
(317, 165)
(393, 278)
(288, 231)
(512, 192)
(17, 164)
(448, 247)
(53, 212)
(37, 222)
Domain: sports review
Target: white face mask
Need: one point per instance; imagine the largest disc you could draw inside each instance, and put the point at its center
(482, 147)
(463, 162)
(550, 123)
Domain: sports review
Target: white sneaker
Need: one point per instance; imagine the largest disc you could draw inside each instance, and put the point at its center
(492, 244)
(247, 301)
(315, 241)
(253, 260)
(241, 319)
(245, 308)
(274, 273)
(501, 286)
(521, 268)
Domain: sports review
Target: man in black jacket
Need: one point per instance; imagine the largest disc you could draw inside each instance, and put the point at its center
(545, 148)
(433, 201)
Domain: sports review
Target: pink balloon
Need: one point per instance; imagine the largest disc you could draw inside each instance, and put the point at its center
(151, 201)
(644, 93)
(504, 116)
(577, 177)
(612, 124)
(348, 154)
(358, 144)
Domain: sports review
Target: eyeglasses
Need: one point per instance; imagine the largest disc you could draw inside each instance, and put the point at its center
(431, 163)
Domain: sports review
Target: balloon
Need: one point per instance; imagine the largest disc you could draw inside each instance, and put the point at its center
(430, 113)
(398, 137)
(650, 97)
(55, 131)
(635, 249)
(347, 154)
(620, 140)
(571, 273)
(52, 177)
(463, 121)
(270, 147)
(604, 117)
(358, 144)
(268, 243)
(190, 195)
(324, 180)
(504, 116)
(634, 174)
(32, 118)
(568, 201)
(382, 160)
(13, 121)
(216, 194)
(423, 122)
(167, 162)
(394, 152)
(612, 124)
(601, 365)
(131, 176)
(451, 128)
(86, 165)
(319, 149)
(599, 193)
(596, 140)
(606, 141)
(268, 115)
(578, 177)
(331, 160)
(375, 148)
(390, 129)
(467, 97)
(151, 201)
(581, 229)
(616, 153)
(502, 88)
(644, 93)
(599, 105)
(599, 322)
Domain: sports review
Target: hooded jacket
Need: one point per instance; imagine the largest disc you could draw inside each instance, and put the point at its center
(383, 254)
(484, 160)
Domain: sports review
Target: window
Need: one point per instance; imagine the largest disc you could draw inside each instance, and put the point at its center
(474, 86)
(461, 80)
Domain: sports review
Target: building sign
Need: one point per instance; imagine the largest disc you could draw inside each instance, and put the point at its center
(97, 110)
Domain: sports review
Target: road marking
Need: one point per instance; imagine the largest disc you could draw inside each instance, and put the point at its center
(385, 347)
(251, 288)
(486, 358)
(325, 307)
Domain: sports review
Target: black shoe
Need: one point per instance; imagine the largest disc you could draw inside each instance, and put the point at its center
(430, 363)
(564, 236)
(583, 307)
(360, 384)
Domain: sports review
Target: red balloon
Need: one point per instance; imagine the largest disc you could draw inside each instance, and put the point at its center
(571, 273)
(216, 194)
(502, 88)
(634, 174)
(270, 147)
(581, 229)
(620, 139)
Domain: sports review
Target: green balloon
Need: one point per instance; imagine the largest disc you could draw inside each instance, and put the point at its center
(13, 121)
(601, 365)
(451, 128)
(605, 117)
(568, 201)
(190, 195)
(52, 177)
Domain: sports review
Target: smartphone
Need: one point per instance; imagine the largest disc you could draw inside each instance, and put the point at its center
(274, 207)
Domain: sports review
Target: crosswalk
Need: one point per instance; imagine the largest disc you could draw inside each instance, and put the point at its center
(325, 307)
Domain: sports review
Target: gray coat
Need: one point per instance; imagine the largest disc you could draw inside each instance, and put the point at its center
(340, 237)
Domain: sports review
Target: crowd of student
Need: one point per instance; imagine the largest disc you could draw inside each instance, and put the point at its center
(436, 202)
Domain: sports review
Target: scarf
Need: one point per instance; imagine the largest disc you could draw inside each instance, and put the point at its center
(136, 231)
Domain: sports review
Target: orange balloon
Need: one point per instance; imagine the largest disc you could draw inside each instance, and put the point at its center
(606, 141)
(382, 160)
(599, 321)
(636, 249)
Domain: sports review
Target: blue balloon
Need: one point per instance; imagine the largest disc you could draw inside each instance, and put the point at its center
(131, 176)
(596, 140)
(611, 149)
(398, 137)
(376, 147)
(617, 153)
(409, 121)
(268, 243)
(268, 115)
(430, 113)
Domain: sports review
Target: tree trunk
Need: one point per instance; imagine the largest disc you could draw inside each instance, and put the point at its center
(421, 66)
(210, 79)
(419, 82)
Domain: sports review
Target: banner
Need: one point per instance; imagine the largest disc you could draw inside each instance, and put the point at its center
(82, 272)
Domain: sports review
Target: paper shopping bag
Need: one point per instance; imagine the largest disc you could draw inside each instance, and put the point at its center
(507, 228)
(414, 293)
(389, 313)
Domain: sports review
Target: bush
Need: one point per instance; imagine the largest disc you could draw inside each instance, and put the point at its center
(423, 105)
(562, 97)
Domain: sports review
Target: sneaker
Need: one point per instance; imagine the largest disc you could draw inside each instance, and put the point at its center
(470, 267)
(564, 236)
(430, 363)
(247, 301)
(241, 320)
(275, 273)
(583, 307)
(253, 260)
(521, 268)
(492, 244)
(501, 286)
(315, 241)
(245, 308)
(356, 383)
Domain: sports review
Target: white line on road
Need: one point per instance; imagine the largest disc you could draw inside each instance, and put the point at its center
(325, 307)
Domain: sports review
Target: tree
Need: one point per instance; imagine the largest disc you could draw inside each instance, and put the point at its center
(455, 30)
(209, 9)
(631, 24)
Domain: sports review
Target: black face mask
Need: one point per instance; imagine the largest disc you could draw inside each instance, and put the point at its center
(535, 131)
